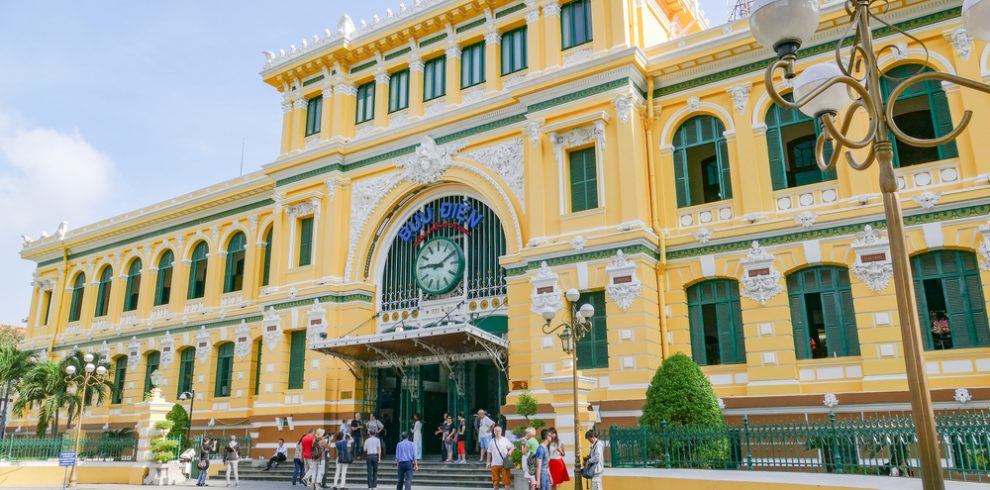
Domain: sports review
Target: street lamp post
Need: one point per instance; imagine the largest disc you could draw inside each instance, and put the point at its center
(191, 396)
(852, 84)
(92, 375)
(570, 334)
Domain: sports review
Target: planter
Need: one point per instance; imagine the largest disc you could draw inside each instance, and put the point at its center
(165, 474)
(519, 480)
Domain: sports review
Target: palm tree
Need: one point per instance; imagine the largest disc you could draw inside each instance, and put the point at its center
(97, 391)
(14, 364)
(45, 386)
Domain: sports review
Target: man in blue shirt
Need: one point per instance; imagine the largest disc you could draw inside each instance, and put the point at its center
(405, 456)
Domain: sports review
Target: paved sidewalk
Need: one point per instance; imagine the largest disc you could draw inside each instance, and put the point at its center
(247, 485)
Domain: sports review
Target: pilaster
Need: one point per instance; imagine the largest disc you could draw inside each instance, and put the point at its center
(286, 145)
(601, 38)
(326, 117)
(534, 32)
(298, 124)
(453, 73)
(493, 57)
(381, 99)
(551, 34)
(344, 105)
(416, 67)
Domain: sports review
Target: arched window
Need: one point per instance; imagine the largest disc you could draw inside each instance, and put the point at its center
(103, 292)
(152, 360)
(715, 316)
(187, 368)
(257, 366)
(822, 313)
(950, 300)
(266, 265)
(75, 305)
(233, 277)
(163, 283)
(791, 138)
(225, 369)
(701, 162)
(119, 377)
(197, 271)
(133, 289)
(921, 111)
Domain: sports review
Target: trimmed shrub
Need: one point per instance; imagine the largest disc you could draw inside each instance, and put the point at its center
(680, 394)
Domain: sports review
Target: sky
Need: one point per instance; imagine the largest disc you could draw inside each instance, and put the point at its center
(110, 105)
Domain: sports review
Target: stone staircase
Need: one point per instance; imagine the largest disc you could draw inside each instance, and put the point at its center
(432, 473)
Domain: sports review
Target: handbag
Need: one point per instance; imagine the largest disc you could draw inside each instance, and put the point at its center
(203, 464)
(588, 471)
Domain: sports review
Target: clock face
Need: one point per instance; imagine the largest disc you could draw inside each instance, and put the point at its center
(439, 266)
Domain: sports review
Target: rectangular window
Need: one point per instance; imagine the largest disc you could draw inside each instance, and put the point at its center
(575, 23)
(584, 180)
(297, 359)
(435, 78)
(187, 367)
(151, 365)
(225, 370)
(119, 376)
(592, 349)
(314, 115)
(257, 366)
(473, 65)
(514, 51)
(305, 241)
(365, 103)
(46, 303)
(398, 91)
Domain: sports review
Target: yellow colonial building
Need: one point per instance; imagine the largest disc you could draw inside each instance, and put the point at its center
(450, 169)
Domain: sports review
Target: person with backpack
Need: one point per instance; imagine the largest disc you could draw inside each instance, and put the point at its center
(232, 458)
(543, 461)
(500, 458)
(208, 446)
(321, 451)
(298, 467)
(344, 456)
(528, 462)
(311, 455)
(594, 464)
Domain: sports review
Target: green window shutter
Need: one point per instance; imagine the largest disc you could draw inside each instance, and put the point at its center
(584, 180)
(839, 317)
(78, 287)
(266, 266)
(681, 183)
(592, 350)
(297, 359)
(187, 367)
(314, 115)
(225, 369)
(435, 78)
(851, 333)
(473, 65)
(163, 279)
(233, 279)
(696, 321)
(725, 174)
(305, 241)
(151, 365)
(724, 295)
(959, 313)
(133, 289)
(778, 166)
(942, 119)
(514, 55)
(197, 271)
(398, 91)
(799, 326)
(257, 366)
(924, 321)
(103, 292)
(365, 103)
(739, 337)
(119, 376)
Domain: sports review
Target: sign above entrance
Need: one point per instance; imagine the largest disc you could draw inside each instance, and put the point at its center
(450, 215)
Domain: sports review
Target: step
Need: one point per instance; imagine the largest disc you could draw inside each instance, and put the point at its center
(431, 473)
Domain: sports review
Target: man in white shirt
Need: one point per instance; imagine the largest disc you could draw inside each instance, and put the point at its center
(281, 454)
(485, 425)
(596, 460)
(500, 458)
(373, 450)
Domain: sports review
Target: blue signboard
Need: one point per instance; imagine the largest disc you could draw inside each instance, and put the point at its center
(66, 458)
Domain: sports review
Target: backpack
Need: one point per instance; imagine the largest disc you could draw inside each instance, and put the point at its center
(345, 456)
(531, 463)
(316, 452)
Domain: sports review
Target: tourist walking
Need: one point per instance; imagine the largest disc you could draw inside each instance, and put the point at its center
(373, 454)
(485, 425)
(417, 431)
(376, 426)
(443, 438)
(558, 469)
(231, 458)
(307, 456)
(543, 462)
(596, 459)
(344, 458)
(449, 439)
(298, 467)
(461, 429)
(281, 454)
(405, 459)
(500, 458)
(357, 433)
(321, 453)
(208, 446)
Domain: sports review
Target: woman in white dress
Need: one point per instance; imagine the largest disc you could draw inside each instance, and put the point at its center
(418, 435)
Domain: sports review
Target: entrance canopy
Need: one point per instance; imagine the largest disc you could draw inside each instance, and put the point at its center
(433, 345)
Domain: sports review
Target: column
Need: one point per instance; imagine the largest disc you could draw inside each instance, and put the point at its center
(215, 266)
(751, 188)
(534, 33)
(344, 105)
(146, 295)
(416, 87)
(628, 153)
(298, 124)
(150, 413)
(666, 194)
(381, 99)
(280, 243)
(286, 123)
(326, 117)
(561, 398)
(536, 162)
(551, 34)
(493, 57)
(453, 72)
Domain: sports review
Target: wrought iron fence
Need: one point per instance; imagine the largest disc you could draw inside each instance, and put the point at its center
(244, 443)
(91, 449)
(880, 446)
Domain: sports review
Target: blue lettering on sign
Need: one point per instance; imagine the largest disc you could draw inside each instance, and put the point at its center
(66, 458)
(421, 221)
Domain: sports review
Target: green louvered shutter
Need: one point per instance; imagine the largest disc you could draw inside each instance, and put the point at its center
(696, 319)
(592, 350)
(584, 180)
(297, 359)
(919, 294)
(725, 175)
(799, 325)
(851, 333)
(737, 324)
(305, 242)
(257, 367)
(942, 119)
(187, 365)
(133, 289)
(150, 367)
(119, 377)
(266, 266)
(726, 331)
(960, 316)
(683, 187)
(778, 166)
(225, 368)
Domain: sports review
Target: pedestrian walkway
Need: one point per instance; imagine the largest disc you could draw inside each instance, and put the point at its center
(216, 483)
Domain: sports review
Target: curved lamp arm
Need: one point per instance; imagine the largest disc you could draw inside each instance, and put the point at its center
(921, 77)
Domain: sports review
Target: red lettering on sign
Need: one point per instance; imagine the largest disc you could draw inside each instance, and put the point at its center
(877, 257)
(759, 272)
(622, 280)
(544, 290)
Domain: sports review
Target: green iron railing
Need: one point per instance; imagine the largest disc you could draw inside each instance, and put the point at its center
(91, 449)
(880, 446)
(243, 441)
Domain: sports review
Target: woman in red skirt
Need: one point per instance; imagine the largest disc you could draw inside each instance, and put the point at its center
(558, 469)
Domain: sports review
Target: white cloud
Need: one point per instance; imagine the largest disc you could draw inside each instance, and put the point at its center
(46, 176)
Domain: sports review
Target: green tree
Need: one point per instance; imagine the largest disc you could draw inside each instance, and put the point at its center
(163, 449)
(180, 421)
(526, 406)
(14, 364)
(680, 394)
(97, 391)
(44, 387)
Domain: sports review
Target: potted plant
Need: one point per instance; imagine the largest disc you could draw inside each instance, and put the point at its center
(168, 470)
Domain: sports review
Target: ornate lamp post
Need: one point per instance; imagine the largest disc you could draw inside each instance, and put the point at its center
(92, 375)
(570, 333)
(191, 396)
(852, 84)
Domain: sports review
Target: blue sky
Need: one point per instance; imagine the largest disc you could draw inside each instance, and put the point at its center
(110, 105)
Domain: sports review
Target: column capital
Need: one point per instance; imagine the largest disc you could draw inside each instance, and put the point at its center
(345, 88)
(551, 8)
(493, 37)
(416, 65)
(382, 78)
(453, 51)
(299, 103)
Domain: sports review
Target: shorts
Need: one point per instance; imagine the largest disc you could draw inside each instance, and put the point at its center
(485, 440)
(503, 473)
(460, 447)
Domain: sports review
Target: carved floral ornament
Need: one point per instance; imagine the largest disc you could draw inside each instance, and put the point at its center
(623, 285)
(546, 291)
(203, 345)
(430, 161)
(506, 160)
(984, 250)
(760, 281)
(873, 265)
(242, 340)
(167, 350)
(271, 328)
(133, 353)
(316, 322)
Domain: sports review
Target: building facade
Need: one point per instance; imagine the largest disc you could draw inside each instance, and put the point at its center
(450, 169)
